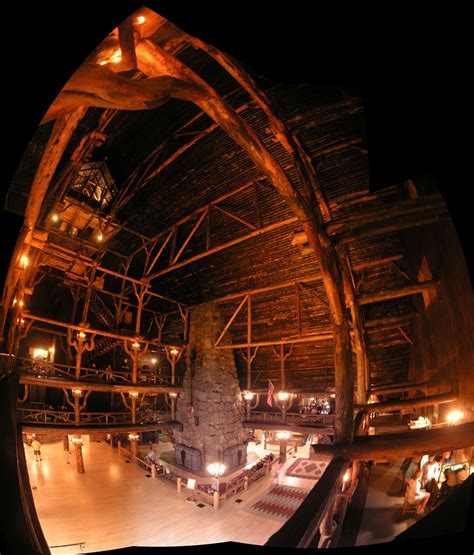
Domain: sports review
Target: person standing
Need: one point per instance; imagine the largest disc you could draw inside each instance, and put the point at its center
(36, 449)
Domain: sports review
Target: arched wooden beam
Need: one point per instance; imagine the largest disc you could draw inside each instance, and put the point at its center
(388, 406)
(99, 86)
(399, 445)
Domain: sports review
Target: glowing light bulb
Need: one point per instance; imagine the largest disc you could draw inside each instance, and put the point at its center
(283, 395)
(154, 361)
(103, 62)
(248, 395)
(24, 261)
(174, 352)
(100, 237)
(136, 345)
(455, 416)
(140, 19)
(54, 217)
(116, 58)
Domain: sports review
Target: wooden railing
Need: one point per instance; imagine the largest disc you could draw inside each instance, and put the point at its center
(45, 369)
(293, 418)
(40, 416)
(303, 528)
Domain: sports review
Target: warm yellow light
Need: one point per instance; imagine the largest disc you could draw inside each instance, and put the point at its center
(81, 335)
(132, 437)
(174, 352)
(116, 58)
(77, 392)
(283, 435)
(52, 350)
(173, 395)
(347, 475)
(24, 261)
(312, 399)
(283, 395)
(140, 19)
(55, 217)
(21, 304)
(136, 345)
(154, 361)
(38, 352)
(103, 62)
(100, 237)
(455, 416)
(248, 395)
(133, 394)
(216, 469)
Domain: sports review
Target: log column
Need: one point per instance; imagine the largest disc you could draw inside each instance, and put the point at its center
(77, 440)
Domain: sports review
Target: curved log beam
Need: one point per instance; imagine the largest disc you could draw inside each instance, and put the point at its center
(53, 152)
(99, 86)
(388, 406)
(403, 444)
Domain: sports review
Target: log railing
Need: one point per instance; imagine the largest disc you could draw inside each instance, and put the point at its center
(302, 529)
(45, 369)
(294, 418)
(46, 416)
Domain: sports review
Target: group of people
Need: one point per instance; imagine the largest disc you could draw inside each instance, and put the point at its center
(431, 478)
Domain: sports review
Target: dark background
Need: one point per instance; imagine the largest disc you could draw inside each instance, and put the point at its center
(411, 70)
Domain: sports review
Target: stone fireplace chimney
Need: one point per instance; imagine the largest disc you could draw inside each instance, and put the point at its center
(211, 407)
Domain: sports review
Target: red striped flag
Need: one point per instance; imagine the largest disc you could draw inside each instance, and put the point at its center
(270, 393)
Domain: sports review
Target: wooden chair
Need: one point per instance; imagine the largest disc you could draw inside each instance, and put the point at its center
(409, 507)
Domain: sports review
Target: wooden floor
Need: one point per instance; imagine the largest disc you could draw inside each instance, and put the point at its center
(115, 505)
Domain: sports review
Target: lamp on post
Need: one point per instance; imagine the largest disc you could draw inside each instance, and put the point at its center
(216, 470)
(133, 438)
(248, 398)
(173, 355)
(283, 401)
(173, 397)
(283, 437)
(81, 343)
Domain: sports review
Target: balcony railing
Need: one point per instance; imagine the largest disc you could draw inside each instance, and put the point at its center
(293, 418)
(47, 416)
(45, 369)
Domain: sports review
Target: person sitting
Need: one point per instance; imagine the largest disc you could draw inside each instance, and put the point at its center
(415, 494)
(150, 456)
(409, 472)
(447, 458)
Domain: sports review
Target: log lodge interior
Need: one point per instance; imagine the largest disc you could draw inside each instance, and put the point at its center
(212, 329)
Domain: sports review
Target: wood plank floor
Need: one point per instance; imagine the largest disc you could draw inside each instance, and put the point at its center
(115, 505)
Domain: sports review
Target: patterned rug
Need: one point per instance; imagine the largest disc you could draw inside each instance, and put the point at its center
(279, 503)
(308, 469)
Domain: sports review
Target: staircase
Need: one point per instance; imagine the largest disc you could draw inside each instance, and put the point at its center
(101, 311)
(104, 344)
(101, 347)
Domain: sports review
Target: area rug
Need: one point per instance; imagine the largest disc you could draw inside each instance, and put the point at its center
(279, 503)
(306, 468)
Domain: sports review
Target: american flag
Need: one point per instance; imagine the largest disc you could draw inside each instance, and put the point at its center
(270, 393)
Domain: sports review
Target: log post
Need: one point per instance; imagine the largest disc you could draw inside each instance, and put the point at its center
(78, 450)
(216, 500)
(179, 485)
